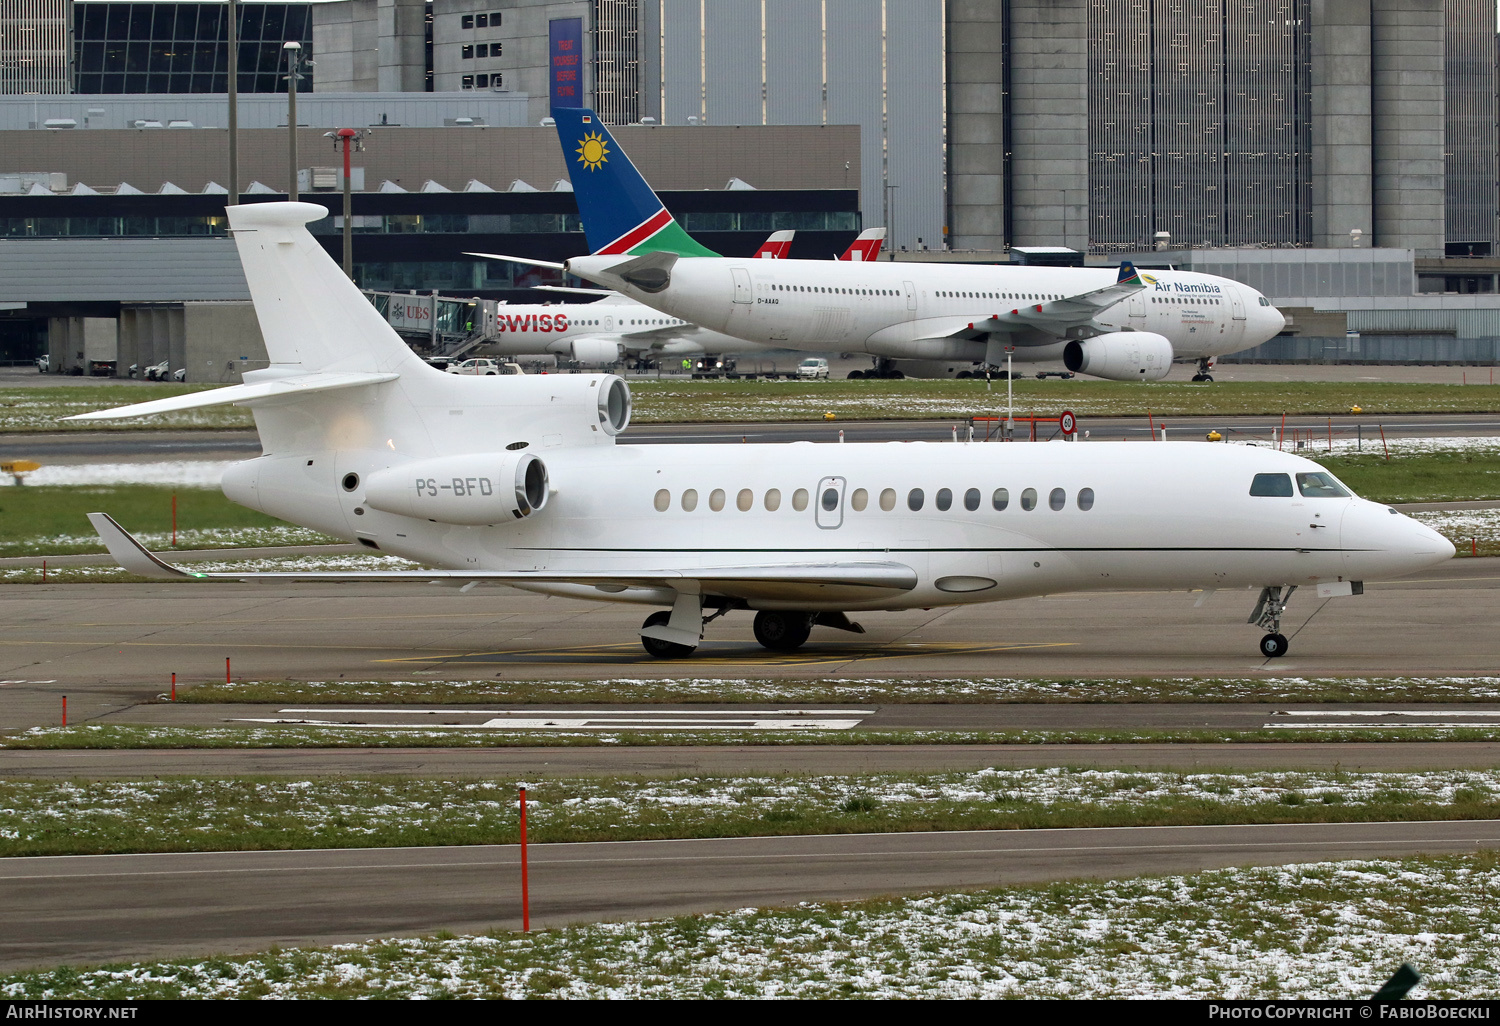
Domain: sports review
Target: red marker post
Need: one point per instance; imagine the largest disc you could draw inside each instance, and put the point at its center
(525, 895)
(174, 687)
(174, 520)
(226, 671)
(65, 710)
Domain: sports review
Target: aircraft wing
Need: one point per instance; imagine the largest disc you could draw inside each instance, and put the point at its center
(832, 581)
(248, 394)
(1058, 315)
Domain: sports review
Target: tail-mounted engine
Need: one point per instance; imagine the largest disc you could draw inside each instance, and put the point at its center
(473, 490)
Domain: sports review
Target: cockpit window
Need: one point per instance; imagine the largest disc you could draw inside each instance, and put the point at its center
(1321, 486)
(1264, 301)
(1272, 484)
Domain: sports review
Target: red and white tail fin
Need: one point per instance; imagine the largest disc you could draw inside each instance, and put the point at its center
(866, 247)
(776, 247)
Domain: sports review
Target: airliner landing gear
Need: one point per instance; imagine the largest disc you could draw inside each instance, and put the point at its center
(883, 369)
(1267, 616)
(1204, 366)
(782, 631)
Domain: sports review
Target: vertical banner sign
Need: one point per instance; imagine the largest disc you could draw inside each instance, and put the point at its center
(565, 61)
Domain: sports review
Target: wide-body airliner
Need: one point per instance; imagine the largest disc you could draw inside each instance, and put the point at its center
(519, 481)
(1125, 325)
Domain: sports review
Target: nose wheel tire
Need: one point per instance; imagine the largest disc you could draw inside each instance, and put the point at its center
(782, 631)
(663, 649)
(1273, 646)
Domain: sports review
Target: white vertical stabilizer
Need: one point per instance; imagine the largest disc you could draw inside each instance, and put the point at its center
(311, 316)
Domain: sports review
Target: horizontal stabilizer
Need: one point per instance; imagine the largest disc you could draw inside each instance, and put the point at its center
(250, 394)
(771, 580)
(550, 265)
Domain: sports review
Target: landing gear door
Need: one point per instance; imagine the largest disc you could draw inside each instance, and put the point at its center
(830, 500)
(742, 291)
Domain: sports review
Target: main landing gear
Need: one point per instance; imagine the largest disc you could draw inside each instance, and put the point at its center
(1267, 616)
(883, 369)
(1204, 366)
(776, 630)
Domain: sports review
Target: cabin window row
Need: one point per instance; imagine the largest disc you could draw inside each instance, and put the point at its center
(859, 499)
(1188, 300)
(1024, 296)
(828, 289)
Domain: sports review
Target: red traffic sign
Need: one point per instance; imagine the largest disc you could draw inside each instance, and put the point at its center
(1068, 422)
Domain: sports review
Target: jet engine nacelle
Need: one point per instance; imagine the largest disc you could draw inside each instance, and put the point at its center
(1121, 356)
(472, 490)
(595, 350)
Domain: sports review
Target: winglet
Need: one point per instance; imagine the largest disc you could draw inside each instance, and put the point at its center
(131, 554)
(1128, 274)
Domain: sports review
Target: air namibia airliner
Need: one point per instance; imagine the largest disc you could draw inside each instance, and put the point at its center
(1126, 326)
(518, 481)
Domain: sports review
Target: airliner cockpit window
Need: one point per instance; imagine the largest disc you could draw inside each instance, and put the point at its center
(1277, 485)
(1321, 486)
(1264, 301)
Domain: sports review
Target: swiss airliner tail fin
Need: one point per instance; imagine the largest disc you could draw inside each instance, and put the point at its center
(777, 246)
(621, 215)
(866, 247)
(312, 316)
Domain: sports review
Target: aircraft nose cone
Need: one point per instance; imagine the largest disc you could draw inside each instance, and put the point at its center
(1380, 543)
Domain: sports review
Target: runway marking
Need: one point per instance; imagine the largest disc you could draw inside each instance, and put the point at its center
(580, 723)
(735, 656)
(5, 682)
(1387, 719)
(587, 719)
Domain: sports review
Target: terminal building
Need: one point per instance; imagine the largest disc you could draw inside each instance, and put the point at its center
(1278, 137)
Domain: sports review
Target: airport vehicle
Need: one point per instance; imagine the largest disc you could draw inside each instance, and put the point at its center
(519, 482)
(476, 366)
(44, 363)
(1126, 326)
(813, 368)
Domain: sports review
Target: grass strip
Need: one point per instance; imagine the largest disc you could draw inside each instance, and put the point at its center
(51, 519)
(273, 813)
(844, 691)
(1451, 476)
(117, 737)
(1332, 930)
(669, 401)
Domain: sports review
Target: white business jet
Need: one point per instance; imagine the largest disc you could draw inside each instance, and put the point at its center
(518, 481)
(1126, 326)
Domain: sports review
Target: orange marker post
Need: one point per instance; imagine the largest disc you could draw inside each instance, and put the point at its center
(525, 892)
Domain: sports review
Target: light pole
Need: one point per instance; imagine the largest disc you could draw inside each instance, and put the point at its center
(346, 137)
(294, 66)
(234, 114)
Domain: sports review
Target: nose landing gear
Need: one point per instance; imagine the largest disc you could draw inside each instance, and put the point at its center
(1204, 366)
(1267, 616)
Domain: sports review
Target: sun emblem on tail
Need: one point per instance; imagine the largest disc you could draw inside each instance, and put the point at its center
(592, 151)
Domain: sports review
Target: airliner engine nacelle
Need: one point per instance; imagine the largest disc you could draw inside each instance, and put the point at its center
(472, 490)
(595, 350)
(1121, 356)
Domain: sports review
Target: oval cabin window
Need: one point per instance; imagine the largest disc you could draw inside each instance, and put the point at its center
(663, 500)
(1085, 498)
(944, 498)
(1057, 498)
(716, 499)
(690, 500)
(971, 499)
(888, 499)
(914, 499)
(744, 500)
(859, 500)
(1001, 498)
(773, 499)
(799, 499)
(1028, 499)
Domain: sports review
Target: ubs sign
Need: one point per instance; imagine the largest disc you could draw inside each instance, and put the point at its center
(410, 313)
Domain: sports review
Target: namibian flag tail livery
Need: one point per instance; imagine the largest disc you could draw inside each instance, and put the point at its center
(620, 212)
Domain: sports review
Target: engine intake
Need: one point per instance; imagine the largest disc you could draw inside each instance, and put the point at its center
(473, 490)
(1121, 356)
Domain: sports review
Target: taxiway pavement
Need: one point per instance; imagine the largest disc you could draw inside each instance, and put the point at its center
(73, 909)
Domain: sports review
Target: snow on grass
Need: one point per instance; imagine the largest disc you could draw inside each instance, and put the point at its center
(196, 538)
(50, 817)
(864, 689)
(184, 473)
(1332, 930)
(286, 564)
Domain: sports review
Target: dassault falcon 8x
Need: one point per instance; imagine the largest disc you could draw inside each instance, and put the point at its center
(1126, 326)
(519, 481)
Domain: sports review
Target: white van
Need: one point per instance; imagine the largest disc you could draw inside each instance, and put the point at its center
(812, 368)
